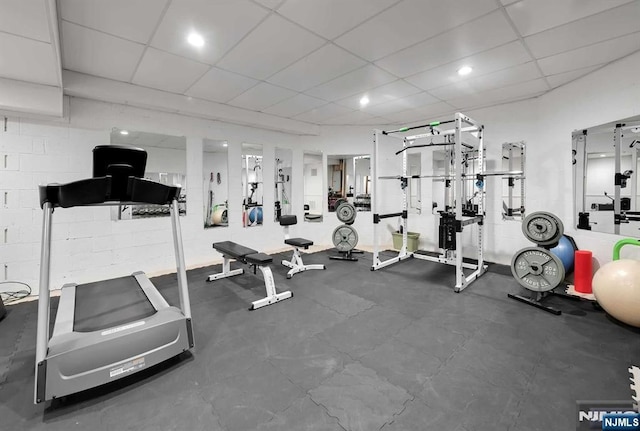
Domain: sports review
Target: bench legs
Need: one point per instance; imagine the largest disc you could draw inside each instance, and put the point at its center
(297, 265)
(272, 295)
(226, 271)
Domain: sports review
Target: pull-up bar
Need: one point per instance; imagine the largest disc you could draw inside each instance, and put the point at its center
(406, 129)
(441, 144)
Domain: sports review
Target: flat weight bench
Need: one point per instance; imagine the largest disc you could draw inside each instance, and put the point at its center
(296, 263)
(231, 250)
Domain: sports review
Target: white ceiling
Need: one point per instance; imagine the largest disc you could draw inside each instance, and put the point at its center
(311, 61)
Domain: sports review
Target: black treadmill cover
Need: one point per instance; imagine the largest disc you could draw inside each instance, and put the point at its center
(118, 173)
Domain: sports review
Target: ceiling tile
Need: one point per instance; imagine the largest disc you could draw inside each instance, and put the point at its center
(168, 72)
(562, 78)
(457, 43)
(261, 96)
(220, 86)
(502, 94)
(296, 105)
(602, 52)
(130, 19)
(273, 45)
(98, 54)
(507, 2)
(426, 113)
(382, 94)
(352, 83)
(27, 60)
(222, 24)
(410, 102)
(533, 16)
(353, 117)
(409, 22)
(321, 17)
(271, 4)
(318, 67)
(321, 113)
(502, 78)
(595, 28)
(25, 18)
(494, 59)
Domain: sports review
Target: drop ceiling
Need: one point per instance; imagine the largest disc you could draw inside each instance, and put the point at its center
(310, 61)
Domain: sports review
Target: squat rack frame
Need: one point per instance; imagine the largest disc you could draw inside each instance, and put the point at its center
(454, 201)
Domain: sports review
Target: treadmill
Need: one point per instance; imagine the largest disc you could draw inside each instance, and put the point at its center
(109, 329)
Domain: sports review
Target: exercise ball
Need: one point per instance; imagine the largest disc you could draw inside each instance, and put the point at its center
(255, 215)
(220, 216)
(565, 251)
(616, 287)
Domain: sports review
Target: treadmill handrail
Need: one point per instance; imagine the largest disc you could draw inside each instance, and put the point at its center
(99, 190)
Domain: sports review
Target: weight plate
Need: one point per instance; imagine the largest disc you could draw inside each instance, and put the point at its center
(537, 269)
(345, 238)
(346, 213)
(543, 228)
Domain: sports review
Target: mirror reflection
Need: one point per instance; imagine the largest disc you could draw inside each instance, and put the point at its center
(605, 161)
(313, 186)
(252, 185)
(443, 182)
(215, 183)
(349, 181)
(414, 167)
(166, 163)
(284, 159)
(513, 180)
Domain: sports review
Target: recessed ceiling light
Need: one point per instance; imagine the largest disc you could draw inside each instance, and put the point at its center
(195, 39)
(465, 70)
(364, 101)
(224, 144)
(124, 132)
(603, 155)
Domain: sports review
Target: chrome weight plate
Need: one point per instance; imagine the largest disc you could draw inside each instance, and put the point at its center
(543, 228)
(537, 269)
(346, 213)
(345, 238)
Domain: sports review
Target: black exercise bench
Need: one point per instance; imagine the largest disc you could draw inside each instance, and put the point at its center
(232, 251)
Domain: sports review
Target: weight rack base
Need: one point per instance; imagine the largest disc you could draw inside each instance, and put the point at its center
(535, 303)
(346, 255)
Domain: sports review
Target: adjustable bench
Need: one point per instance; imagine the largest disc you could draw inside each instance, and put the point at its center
(296, 264)
(231, 250)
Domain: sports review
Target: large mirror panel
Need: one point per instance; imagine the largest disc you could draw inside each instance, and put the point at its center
(414, 168)
(513, 180)
(605, 161)
(252, 185)
(215, 183)
(166, 163)
(313, 186)
(282, 204)
(349, 180)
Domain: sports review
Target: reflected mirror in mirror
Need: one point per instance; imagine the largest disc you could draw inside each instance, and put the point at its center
(313, 186)
(252, 185)
(166, 163)
(414, 192)
(215, 183)
(605, 162)
(349, 180)
(282, 204)
(513, 180)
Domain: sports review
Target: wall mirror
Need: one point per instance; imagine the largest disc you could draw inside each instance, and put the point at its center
(414, 192)
(313, 186)
(282, 204)
(166, 163)
(252, 184)
(443, 183)
(513, 180)
(605, 163)
(215, 183)
(349, 179)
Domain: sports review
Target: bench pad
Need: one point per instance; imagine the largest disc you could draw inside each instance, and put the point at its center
(258, 258)
(232, 249)
(298, 242)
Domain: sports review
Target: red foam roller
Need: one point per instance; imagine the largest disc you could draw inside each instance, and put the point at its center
(583, 271)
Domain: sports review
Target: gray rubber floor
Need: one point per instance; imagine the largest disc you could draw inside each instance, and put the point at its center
(394, 349)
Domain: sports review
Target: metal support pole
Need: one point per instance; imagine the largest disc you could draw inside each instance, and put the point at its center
(617, 135)
(180, 265)
(458, 194)
(42, 333)
(403, 250)
(481, 202)
(374, 198)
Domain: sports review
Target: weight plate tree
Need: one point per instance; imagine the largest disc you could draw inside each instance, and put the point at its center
(543, 228)
(346, 213)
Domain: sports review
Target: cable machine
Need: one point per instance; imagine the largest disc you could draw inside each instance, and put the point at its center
(466, 135)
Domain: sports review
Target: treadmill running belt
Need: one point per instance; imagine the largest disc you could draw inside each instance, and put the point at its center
(109, 303)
